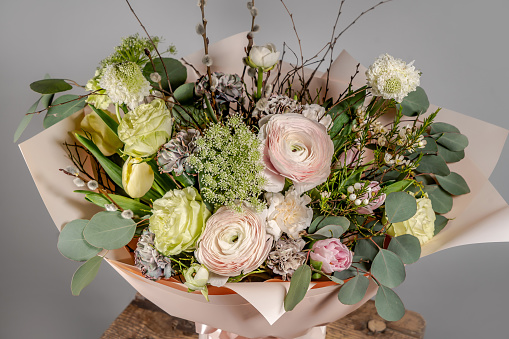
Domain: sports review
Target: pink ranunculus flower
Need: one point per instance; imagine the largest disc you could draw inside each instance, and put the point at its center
(296, 148)
(233, 242)
(375, 200)
(333, 254)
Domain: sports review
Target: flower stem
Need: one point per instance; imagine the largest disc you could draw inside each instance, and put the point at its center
(260, 83)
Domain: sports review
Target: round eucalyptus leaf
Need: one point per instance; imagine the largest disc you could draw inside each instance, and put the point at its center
(354, 290)
(388, 305)
(109, 230)
(388, 269)
(321, 221)
(63, 107)
(407, 247)
(450, 156)
(440, 199)
(443, 127)
(85, 274)
(453, 141)
(453, 183)
(299, 285)
(331, 231)
(50, 86)
(73, 245)
(440, 223)
(177, 73)
(415, 103)
(366, 249)
(400, 206)
(184, 93)
(433, 164)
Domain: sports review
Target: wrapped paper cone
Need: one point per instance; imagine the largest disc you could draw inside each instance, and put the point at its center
(255, 310)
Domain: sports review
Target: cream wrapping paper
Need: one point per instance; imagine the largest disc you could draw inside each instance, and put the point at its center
(255, 310)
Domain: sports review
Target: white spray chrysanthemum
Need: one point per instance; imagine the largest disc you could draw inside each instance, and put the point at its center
(392, 78)
(125, 84)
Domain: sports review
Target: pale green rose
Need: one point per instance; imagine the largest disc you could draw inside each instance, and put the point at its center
(102, 136)
(196, 277)
(99, 99)
(178, 220)
(421, 225)
(137, 177)
(144, 129)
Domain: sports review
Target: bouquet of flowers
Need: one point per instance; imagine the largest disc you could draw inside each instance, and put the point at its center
(210, 178)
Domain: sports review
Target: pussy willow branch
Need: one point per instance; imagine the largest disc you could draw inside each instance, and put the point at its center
(206, 47)
(152, 42)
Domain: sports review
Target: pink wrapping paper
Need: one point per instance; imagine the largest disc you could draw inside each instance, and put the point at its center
(255, 310)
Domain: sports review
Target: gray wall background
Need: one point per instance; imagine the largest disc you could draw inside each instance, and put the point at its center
(460, 46)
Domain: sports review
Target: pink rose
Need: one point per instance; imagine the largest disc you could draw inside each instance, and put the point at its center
(375, 200)
(333, 254)
(233, 242)
(296, 148)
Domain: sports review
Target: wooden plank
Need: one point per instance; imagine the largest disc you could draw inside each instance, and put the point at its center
(144, 320)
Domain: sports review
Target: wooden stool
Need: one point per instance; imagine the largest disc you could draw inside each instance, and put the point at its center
(143, 320)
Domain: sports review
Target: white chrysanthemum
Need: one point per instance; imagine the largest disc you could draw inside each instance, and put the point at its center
(124, 83)
(392, 78)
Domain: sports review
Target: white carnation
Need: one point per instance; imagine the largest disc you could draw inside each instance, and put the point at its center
(392, 78)
(125, 84)
(317, 113)
(288, 213)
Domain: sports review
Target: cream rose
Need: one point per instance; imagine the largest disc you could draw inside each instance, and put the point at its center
(296, 148)
(288, 213)
(233, 242)
(421, 225)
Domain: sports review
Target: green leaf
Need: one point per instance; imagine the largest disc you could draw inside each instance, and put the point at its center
(109, 230)
(400, 206)
(388, 269)
(453, 183)
(440, 223)
(354, 290)
(321, 221)
(113, 170)
(67, 105)
(298, 287)
(185, 93)
(366, 249)
(442, 127)
(332, 231)
(398, 186)
(47, 100)
(407, 247)
(453, 141)
(109, 121)
(137, 207)
(450, 156)
(50, 86)
(440, 199)
(430, 148)
(415, 103)
(26, 120)
(177, 73)
(388, 305)
(433, 164)
(85, 274)
(73, 245)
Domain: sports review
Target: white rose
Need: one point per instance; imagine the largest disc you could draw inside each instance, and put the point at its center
(265, 57)
(288, 213)
(317, 113)
(421, 225)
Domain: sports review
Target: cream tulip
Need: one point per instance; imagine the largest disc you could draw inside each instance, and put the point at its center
(137, 177)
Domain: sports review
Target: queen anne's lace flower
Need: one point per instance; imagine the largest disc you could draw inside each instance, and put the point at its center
(392, 78)
(125, 84)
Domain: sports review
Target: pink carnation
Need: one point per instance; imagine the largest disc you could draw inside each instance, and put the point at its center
(374, 203)
(333, 254)
(296, 148)
(233, 242)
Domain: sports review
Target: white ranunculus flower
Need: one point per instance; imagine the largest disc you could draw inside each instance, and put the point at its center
(421, 225)
(233, 242)
(392, 78)
(317, 113)
(265, 57)
(289, 213)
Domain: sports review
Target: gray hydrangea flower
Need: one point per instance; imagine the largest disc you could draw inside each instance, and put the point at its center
(286, 256)
(153, 265)
(173, 155)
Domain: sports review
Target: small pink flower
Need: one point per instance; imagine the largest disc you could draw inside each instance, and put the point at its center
(296, 148)
(373, 203)
(333, 254)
